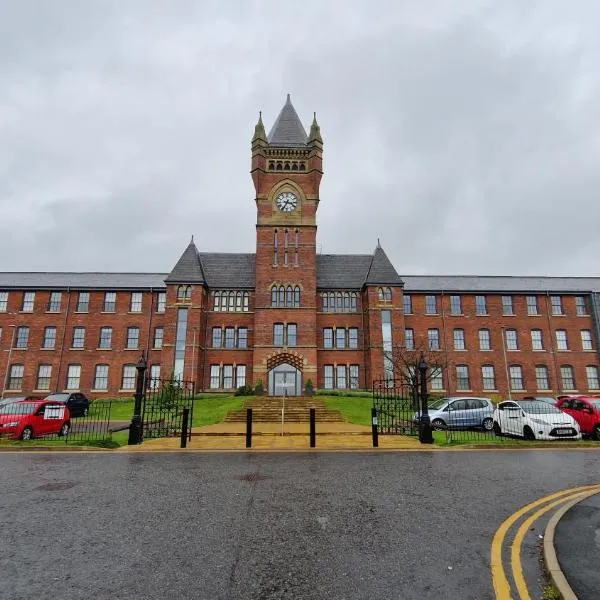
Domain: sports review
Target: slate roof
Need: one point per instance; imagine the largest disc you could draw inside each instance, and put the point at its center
(288, 131)
(82, 281)
(381, 270)
(225, 270)
(188, 268)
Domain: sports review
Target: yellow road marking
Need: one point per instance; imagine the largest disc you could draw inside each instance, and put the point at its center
(515, 554)
(499, 579)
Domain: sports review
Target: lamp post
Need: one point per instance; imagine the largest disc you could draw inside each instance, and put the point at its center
(135, 428)
(12, 345)
(425, 434)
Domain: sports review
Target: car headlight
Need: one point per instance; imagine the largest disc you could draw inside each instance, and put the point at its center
(11, 424)
(539, 421)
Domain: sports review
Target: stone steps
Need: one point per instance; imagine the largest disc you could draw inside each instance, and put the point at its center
(297, 410)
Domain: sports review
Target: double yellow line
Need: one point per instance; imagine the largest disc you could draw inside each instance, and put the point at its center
(543, 505)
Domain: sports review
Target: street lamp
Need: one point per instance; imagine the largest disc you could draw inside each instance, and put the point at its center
(12, 344)
(425, 434)
(135, 428)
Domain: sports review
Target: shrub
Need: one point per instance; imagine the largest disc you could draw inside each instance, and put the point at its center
(308, 388)
(244, 390)
(259, 390)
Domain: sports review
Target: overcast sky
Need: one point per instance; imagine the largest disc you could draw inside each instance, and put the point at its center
(465, 135)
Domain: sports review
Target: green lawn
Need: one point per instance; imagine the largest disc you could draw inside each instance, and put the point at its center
(354, 409)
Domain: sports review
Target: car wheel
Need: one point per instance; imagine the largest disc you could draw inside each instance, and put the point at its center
(497, 429)
(596, 434)
(27, 434)
(438, 424)
(64, 430)
(488, 424)
(528, 433)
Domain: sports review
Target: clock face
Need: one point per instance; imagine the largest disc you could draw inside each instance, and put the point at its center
(287, 202)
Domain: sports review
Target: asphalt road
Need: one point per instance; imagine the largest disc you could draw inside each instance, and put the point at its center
(334, 526)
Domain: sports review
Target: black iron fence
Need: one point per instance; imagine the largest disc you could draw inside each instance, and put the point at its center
(396, 404)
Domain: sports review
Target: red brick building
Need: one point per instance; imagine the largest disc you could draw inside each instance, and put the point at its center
(286, 314)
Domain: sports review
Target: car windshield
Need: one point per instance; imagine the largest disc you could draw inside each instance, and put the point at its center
(535, 407)
(437, 404)
(18, 408)
(595, 403)
(58, 397)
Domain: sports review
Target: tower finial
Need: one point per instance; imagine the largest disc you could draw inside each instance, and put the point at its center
(260, 136)
(192, 240)
(315, 132)
(288, 98)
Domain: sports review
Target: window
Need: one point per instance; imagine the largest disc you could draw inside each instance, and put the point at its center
(128, 380)
(240, 376)
(54, 303)
(341, 377)
(49, 338)
(561, 340)
(110, 302)
(328, 372)
(484, 339)
(3, 301)
(275, 246)
(488, 377)
(184, 292)
(536, 339)
(340, 337)
(556, 302)
(73, 377)
(242, 338)
(161, 305)
(133, 338)
(593, 380)
(15, 380)
(105, 338)
(291, 334)
(180, 343)
(158, 337)
(278, 334)
(284, 335)
(511, 339)
(580, 305)
(455, 305)
(354, 381)
(480, 305)
(216, 337)
(532, 305)
(507, 305)
(101, 377)
(28, 301)
(586, 339)
(83, 302)
(459, 339)
(22, 337)
(353, 337)
(154, 377)
(215, 377)
(409, 339)
(227, 377)
(567, 377)
(407, 304)
(328, 337)
(285, 298)
(516, 378)
(436, 380)
(229, 337)
(384, 294)
(44, 375)
(136, 302)
(78, 337)
(542, 380)
(297, 247)
(462, 377)
(433, 338)
(386, 334)
(430, 305)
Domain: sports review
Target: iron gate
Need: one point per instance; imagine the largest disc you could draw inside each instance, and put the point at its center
(162, 407)
(397, 406)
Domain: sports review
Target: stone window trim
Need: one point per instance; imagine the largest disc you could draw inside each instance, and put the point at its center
(230, 301)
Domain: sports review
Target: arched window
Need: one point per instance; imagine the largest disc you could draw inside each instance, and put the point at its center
(289, 296)
(346, 302)
(297, 297)
(231, 302)
(238, 302)
(285, 247)
(246, 301)
(353, 307)
(181, 292)
(324, 302)
(273, 296)
(275, 247)
(331, 302)
(217, 301)
(380, 294)
(387, 294)
(339, 306)
(188, 292)
(296, 256)
(281, 296)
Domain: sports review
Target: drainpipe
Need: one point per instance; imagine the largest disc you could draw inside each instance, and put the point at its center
(62, 343)
(443, 312)
(12, 343)
(364, 339)
(552, 349)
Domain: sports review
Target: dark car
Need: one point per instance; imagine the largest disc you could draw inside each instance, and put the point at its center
(547, 399)
(77, 403)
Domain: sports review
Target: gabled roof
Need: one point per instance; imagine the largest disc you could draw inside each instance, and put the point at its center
(381, 270)
(81, 281)
(288, 132)
(188, 268)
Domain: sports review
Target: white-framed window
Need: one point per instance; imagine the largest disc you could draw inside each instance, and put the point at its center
(215, 377)
(430, 305)
(158, 337)
(532, 305)
(459, 339)
(537, 342)
(512, 342)
(73, 377)
(28, 301)
(101, 377)
(54, 303)
(22, 337)
(129, 376)
(15, 379)
(3, 301)
(242, 337)
(105, 338)
(354, 380)
(462, 377)
(133, 338)
(83, 302)
(340, 337)
(568, 378)
(78, 337)
(409, 339)
(341, 377)
(586, 339)
(229, 337)
(328, 377)
(49, 338)
(516, 378)
(407, 299)
(484, 339)
(488, 377)
(561, 340)
(240, 376)
(161, 303)
(542, 381)
(507, 305)
(110, 302)
(136, 302)
(227, 377)
(455, 305)
(436, 379)
(352, 337)
(480, 305)
(556, 303)
(154, 377)
(433, 339)
(593, 379)
(328, 337)
(581, 306)
(44, 376)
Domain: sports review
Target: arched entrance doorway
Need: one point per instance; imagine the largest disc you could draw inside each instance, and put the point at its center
(284, 375)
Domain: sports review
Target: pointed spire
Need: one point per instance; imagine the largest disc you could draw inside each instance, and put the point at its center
(288, 132)
(315, 132)
(188, 268)
(381, 270)
(260, 137)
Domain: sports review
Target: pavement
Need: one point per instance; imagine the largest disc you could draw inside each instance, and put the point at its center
(577, 546)
(266, 526)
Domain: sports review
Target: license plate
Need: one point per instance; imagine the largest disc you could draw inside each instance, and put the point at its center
(564, 431)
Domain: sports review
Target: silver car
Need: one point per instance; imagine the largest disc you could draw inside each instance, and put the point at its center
(461, 412)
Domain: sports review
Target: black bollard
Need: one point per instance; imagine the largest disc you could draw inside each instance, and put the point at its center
(374, 428)
(249, 428)
(184, 427)
(313, 415)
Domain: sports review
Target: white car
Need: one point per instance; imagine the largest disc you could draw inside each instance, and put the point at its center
(534, 420)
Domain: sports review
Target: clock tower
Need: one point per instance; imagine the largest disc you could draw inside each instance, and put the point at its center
(286, 171)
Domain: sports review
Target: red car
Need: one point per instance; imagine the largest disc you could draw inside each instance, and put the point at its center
(27, 419)
(585, 410)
